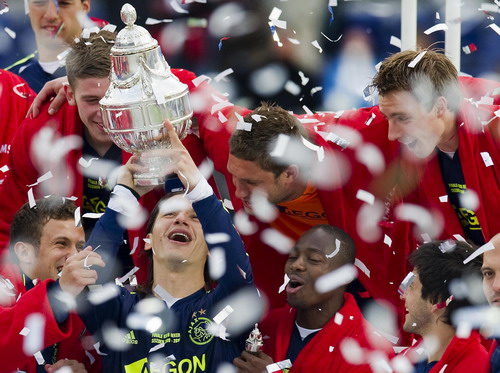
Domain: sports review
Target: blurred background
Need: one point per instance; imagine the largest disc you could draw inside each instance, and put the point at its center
(323, 57)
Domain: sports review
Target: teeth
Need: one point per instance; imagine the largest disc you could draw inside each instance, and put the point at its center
(180, 237)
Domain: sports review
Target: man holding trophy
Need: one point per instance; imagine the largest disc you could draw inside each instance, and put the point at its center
(47, 156)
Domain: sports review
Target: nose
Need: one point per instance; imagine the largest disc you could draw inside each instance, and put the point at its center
(181, 218)
(298, 264)
(496, 284)
(241, 192)
(394, 131)
(52, 10)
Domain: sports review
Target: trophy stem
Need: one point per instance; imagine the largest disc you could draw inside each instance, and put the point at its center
(154, 176)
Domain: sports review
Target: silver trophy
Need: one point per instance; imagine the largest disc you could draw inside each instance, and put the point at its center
(142, 94)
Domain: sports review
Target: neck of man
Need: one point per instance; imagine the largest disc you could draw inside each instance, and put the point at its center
(449, 139)
(296, 191)
(179, 279)
(318, 316)
(100, 147)
(437, 340)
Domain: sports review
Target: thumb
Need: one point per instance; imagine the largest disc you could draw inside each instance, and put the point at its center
(172, 134)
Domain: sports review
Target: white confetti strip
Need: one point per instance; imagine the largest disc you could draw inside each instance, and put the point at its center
(487, 159)
(292, 88)
(395, 41)
(200, 79)
(316, 45)
(495, 28)
(327, 38)
(216, 238)
(277, 240)
(39, 358)
(84, 163)
(370, 120)
(175, 6)
(222, 315)
(486, 247)
(90, 356)
(165, 295)
(9, 32)
(109, 27)
(316, 89)
(159, 346)
(443, 198)
(279, 366)
(4, 168)
(128, 274)
(223, 74)
(358, 263)
(228, 204)
(31, 198)
(244, 126)
(336, 251)
(33, 341)
(438, 27)
(458, 237)
(217, 263)
(438, 16)
(286, 280)
(153, 21)
(443, 368)
(338, 319)
(25, 331)
(281, 145)
(365, 196)
(387, 240)
(92, 215)
(262, 209)
(243, 223)
(417, 59)
(219, 106)
(294, 41)
(97, 347)
(78, 219)
(335, 279)
(46, 176)
(332, 2)
(222, 117)
(101, 294)
(303, 78)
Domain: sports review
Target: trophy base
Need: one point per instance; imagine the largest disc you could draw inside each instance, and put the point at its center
(149, 180)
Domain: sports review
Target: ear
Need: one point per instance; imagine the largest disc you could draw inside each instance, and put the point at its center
(70, 95)
(441, 106)
(148, 245)
(291, 173)
(26, 253)
(86, 6)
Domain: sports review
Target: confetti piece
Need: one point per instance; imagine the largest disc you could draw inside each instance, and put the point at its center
(97, 347)
(495, 28)
(438, 16)
(200, 79)
(395, 41)
(468, 49)
(243, 223)
(33, 342)
(159, 346)
(370, 120)
(9, 32)
(307, 110)
(387, 240)
(277, 240)
(330, 10)
(292, 88)
(135, 245)
(286, 280)
(443, 368)
(458, 237)
(222, 117)
(316, 89)
(244, 126)
(332, 2)
(84, 163)
(358, 263)
(109, 27)
(223, 74)
(257, 117)
(343, 143)
(24, 332)
(316, 44)
(39, 358)
(128, 275)
(222, 315)
(485, 7)
(221, 40)
(303, 79)
(101, 294)
(175, 6)
(371, 156)
(90, 356)
(294, 41)
(217, 263)
(336, 251)
(216, 238)
(335, 278)
(276, 37)
(92, 215)
(153, 21)
(4, 168)
(331, 348)
(486, 247)
(78, 222)
(275, 13)
(280, 146)
(416, 60)
(197, 22)
(44, 177)
(279, 366)
(487, 159)
(438, 27)
(220, 106)
(365, 196)
(338, 318)
(443, 198)
(327, 38)
(31, 198)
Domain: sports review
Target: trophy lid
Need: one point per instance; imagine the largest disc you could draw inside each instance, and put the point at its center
(132, 39)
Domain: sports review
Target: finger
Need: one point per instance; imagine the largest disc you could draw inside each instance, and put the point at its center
(239, 363)
(172, 134)
(58, 101)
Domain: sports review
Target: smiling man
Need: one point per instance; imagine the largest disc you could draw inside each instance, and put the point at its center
(313, 330)
(42, 239)
(55, 24)
(454, 141)
(430, 306)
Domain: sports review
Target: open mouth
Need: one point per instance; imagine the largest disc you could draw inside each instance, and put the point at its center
(294, 285)
(181, 237)
(59, 269)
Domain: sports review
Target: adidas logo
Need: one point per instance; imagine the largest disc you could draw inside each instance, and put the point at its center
(130, 338)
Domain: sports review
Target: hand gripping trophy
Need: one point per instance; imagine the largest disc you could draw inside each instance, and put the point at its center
(142, 94)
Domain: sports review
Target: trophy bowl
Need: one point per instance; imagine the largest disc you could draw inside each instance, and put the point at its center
(142, 94)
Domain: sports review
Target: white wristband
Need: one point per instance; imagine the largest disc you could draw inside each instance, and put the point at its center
(122, 200)
(201, 191)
